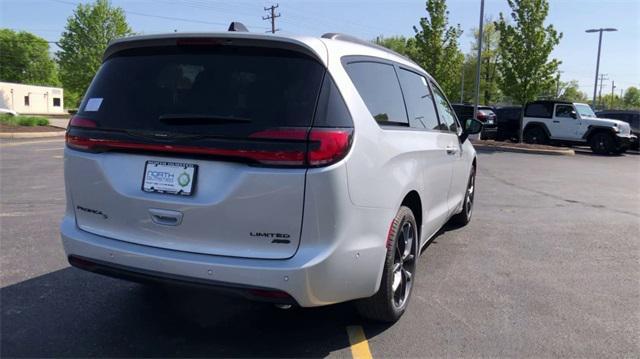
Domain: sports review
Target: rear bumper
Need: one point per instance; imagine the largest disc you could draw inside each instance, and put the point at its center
(313, 277)
(489, 132)
(146, 276)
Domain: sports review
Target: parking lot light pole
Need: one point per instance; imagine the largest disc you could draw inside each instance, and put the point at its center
(475, 106)
(595, 86)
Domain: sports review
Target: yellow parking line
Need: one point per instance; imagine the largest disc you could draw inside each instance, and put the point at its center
(359, 344)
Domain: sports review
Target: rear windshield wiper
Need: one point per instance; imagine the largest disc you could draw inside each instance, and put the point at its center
(189, 119)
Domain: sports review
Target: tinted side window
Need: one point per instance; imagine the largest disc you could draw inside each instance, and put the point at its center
(417, 96)
(332, 111)
(447, 116)
(378, 86)
(564, 111)
(539, 110)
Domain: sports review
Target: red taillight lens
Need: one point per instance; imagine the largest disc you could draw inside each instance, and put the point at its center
(324, 146)
(281, 134)
(333, 145)
(293, 158)
(272, 294)
(82, 122)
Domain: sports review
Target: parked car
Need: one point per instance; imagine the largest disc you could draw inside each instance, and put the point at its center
(560, 122)
(629, 116)
(6, 111)
(508, 119)
(295, 170)
(486, 115)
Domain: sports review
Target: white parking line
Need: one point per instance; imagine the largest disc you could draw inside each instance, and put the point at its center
(49, 149)
(13, 144)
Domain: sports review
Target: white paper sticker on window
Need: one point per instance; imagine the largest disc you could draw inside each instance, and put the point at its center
(424, 82)
(93, 104)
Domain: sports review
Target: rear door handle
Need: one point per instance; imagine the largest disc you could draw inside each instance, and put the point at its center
(556, 121)
(165, 217)
(451, 150)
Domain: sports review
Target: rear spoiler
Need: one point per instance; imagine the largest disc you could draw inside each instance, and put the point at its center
(311, 47)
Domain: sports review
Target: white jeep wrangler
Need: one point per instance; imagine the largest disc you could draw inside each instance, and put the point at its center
(567, 123)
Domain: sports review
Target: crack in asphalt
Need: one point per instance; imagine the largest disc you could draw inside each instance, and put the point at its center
(554, 196)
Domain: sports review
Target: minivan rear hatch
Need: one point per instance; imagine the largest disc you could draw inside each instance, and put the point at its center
(200, 145)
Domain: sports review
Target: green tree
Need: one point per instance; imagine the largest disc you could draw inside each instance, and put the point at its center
(25, 58)
(632, 98)
(524, 49)
(570, 91)
(469, 78)
(86, 35)
(399, 44)
(489, 59)
(612, 102)
(437, 47)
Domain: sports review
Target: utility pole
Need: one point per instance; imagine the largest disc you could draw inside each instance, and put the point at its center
(595, 86)
(558, 83)
(475, 106)
(613, 87)
(600, 93)
(272, 17)
(462, 85)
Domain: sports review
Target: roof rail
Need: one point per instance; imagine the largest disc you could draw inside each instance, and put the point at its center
(355, 40)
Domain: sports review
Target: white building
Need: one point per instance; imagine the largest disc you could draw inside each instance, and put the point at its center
(31, 99)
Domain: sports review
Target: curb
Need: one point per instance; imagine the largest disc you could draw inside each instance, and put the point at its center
(558, 152)
(31, 134)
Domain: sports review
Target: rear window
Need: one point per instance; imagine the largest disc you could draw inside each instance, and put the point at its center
(220, 91)
(539, 110)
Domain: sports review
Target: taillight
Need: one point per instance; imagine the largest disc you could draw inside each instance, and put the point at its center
(82, 122)
(285, 158)
(324, 146)
(481, 116)
(332, 146)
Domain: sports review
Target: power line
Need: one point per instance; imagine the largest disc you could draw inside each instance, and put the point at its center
(154, 16)
(206, 6)
(272, 17)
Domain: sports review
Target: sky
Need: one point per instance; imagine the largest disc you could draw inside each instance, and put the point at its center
(577, 50)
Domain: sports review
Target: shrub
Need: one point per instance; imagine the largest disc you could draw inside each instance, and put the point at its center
(23, 120)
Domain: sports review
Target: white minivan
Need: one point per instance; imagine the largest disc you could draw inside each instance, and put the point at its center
(296, 170)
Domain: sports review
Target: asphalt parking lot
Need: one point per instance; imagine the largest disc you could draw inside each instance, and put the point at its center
(549, 266)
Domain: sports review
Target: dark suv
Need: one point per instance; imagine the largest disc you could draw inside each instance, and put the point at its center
(486, 115)
(629, 116)
(508, 123)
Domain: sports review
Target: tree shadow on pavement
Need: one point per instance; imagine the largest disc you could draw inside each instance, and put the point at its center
(71, 313)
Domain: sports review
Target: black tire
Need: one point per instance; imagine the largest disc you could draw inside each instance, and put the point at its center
(463, 218)
(388, 304)
(602, 143)
(535, 135)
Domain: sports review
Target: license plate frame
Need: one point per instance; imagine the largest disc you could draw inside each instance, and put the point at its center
(176, 178)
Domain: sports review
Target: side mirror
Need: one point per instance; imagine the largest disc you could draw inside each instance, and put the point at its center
(471, 127)
(574, 115)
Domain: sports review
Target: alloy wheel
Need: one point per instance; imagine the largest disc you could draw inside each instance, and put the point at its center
(468, 204)
(404, 264)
